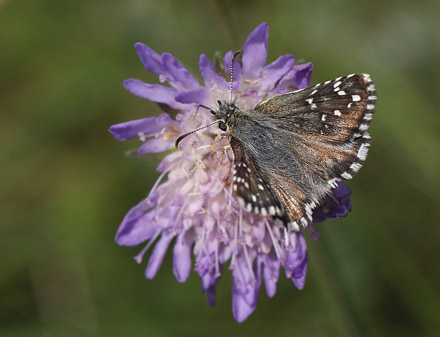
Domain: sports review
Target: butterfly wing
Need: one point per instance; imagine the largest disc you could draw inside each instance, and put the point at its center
(251, 185)
(302, 143)
(330, 122)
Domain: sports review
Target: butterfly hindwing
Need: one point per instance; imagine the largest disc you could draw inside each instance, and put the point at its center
(253, 190)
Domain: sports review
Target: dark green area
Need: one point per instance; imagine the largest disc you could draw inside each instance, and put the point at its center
(65, 183)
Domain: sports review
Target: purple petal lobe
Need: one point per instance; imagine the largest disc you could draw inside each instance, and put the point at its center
(153, 92)
(209, 281)
(303, 74)
(275, 71)
(240, 308)
(245, 281)
(156, 145)
(296, 260)
(209, 75)
(182, 256)
(158, 254)
(337, 204)
(136, 227)
(168, 161)
(271, 268)
(150, 59)
(255, 50)
(151, 125)
(178, 73)
(245, 286)
(297, 78)
(198, 95)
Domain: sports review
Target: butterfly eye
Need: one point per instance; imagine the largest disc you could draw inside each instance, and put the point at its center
(222, 126)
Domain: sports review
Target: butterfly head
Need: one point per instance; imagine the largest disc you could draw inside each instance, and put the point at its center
(225, 113)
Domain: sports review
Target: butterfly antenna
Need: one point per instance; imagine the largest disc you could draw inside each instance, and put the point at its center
(178, 140)
(232, 73)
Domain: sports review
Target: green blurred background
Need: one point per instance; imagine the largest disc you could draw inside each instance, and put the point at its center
(65, 183)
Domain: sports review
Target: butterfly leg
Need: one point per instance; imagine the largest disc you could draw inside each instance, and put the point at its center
(226, 150)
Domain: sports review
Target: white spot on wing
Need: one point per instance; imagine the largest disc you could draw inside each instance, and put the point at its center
(333, 182)
(341, 93)
(355, 167)
(272, 210)
(346, 175)
(356, 98)
(363, 127)
(337, 113)
(363, 151)
(368, 116)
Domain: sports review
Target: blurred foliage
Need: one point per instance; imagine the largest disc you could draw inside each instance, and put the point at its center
(66, 183)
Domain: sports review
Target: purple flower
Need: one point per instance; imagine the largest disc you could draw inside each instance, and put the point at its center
(192, 202)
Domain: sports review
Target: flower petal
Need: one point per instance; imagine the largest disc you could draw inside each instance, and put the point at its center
(153, 92)
(245, 287)
(271, 268)
(156, 145)
(296, 260)
(182, 256)
(337, 204)
(246, 281)
(150, 59)
(149, 126)
(209, 75)
(209, 281)
(177, 74)
(297, 78)
(198, 95)
(240, 308)
(275, 71)
(255, 50)
(168, 161)
(136, 227)
(158, 254)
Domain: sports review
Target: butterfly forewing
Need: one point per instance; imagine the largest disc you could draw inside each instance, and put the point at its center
(299, 144)
(330, 122)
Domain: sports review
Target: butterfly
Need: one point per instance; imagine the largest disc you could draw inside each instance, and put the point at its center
(292, 149)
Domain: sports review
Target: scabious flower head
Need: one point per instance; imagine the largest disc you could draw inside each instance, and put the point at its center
(192, 203)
